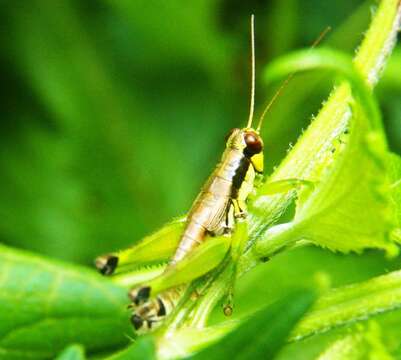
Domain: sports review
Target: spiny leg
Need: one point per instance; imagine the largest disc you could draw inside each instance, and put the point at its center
(199, 261)
(238, 242)
(143, 323)
(155, 248)
(156, 309)
(239, 206)
(229, 221)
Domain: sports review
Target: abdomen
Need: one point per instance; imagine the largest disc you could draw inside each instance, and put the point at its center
(209, 211)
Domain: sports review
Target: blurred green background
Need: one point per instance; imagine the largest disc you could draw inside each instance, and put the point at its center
(114, 112)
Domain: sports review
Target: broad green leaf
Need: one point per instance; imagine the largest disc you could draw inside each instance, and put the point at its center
(142, 349)
(356, 302)
(360, 345)
(350, 208)
(299, 267)
(320, 150)
(350, 347)
(72, 352)
(384, 337)
(312, 154)
(262, 335)
(45, 306)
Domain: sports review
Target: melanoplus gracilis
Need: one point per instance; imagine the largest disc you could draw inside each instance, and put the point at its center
(218, 207)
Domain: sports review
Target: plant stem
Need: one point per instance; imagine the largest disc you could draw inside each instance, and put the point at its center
(350, 303)
(309, 157)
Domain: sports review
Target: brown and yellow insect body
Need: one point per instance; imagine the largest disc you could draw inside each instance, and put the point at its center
(224, 194)
(150, 314)
(221, 200)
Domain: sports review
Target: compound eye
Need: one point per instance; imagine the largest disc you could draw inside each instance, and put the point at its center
(253, 143)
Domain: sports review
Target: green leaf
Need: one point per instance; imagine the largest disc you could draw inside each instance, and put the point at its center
(394, 162)
(312, 154)
(46, 306)
(72, 352)
(379, 40)
(350, 208)
(321, 151)
(350, 347)
(142, 349)
(362, 344)
(356, 302)
(299, 267)
(263, 334)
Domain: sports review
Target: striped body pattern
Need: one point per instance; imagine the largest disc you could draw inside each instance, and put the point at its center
(220, 202)
(153, 312)
(232, 180)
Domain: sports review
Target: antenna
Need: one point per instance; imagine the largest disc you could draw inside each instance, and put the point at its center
(252, 105)
(288, 79)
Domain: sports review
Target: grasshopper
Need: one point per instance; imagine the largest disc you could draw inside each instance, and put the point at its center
(220, 205)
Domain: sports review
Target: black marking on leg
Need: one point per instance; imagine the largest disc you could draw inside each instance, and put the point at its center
(227, 230)
(106, 264)
(264, 259)
(162, 308)
(142, 295)
(137, 321)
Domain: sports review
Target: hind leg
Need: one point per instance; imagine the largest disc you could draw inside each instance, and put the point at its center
(151, 313)
(238, 242)
(239, 208)
(236, 210)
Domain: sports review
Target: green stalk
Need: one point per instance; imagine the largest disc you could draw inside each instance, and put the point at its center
(348, 304)
(311, 154)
